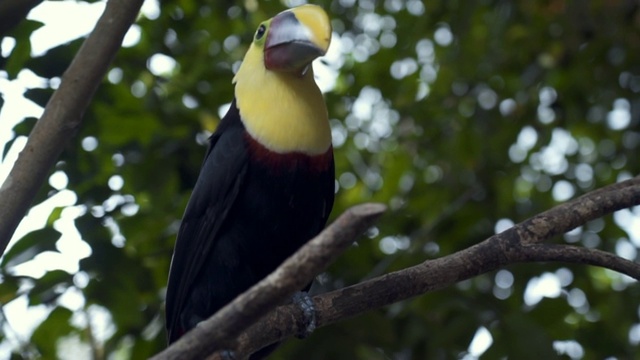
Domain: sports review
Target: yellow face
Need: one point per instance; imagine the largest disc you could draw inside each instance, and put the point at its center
(279, 102)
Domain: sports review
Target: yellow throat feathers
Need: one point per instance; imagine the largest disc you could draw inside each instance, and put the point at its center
(283, 112)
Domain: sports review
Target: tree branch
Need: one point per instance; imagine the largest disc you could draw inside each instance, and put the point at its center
(63, 114)
(521, 243)
(580, 255)
(220, 331)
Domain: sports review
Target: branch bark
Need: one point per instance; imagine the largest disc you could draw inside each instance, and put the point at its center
(62, 116)
(521, 243)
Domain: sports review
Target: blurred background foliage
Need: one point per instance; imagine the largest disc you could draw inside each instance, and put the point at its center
(463, 116)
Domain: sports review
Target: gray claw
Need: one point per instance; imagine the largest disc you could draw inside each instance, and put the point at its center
(228, 355)
(305, 303)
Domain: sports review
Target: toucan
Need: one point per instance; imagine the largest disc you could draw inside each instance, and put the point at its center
(267, 182)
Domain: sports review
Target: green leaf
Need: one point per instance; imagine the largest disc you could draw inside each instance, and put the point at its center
(55, 215)
(55, 326)
(56, 60)
(31, 245)
(49, 287)
(22, 51)
(39, 96)
(8, 288)
(7, 147)
(22, 128)
(25, 126)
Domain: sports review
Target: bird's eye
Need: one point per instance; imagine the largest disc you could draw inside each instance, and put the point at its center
(260, 33)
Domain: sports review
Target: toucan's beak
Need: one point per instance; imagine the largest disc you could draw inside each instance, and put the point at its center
(296, 37)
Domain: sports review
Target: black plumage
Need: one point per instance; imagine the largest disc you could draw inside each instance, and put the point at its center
(251, 208)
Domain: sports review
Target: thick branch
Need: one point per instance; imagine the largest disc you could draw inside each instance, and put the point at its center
(63, 114)
(221, 330)
(521, 243)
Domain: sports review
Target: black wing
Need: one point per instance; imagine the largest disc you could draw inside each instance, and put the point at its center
(221, 177)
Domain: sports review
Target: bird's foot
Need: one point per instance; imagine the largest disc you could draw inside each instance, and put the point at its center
(228, 355)
(305, 303)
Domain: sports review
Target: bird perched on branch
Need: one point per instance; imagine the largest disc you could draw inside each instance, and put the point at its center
(267, 183)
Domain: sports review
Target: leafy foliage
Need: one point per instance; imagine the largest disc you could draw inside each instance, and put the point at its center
(464, 117)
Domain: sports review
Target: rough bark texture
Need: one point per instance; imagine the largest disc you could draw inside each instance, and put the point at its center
(523, 242)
